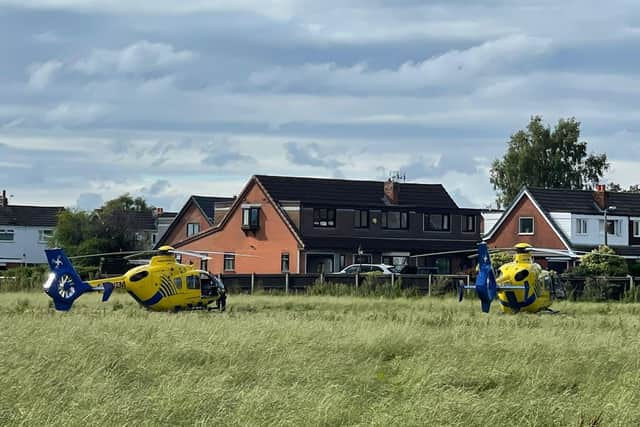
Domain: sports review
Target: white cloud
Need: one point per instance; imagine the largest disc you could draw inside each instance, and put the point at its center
(73, 114)
(137, 57)
(450, 68)
(41, 74)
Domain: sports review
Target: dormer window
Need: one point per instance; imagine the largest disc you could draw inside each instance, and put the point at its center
(251, 218)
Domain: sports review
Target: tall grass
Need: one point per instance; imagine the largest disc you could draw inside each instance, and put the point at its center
(317, 361)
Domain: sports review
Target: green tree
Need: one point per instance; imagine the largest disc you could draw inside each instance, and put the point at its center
(111, 228)
(541, 157)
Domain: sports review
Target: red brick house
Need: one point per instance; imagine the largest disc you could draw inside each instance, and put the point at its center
(310, 224)
(570, 220)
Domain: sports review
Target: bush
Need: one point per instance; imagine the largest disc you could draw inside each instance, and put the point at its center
(23, 279)
(602, 262)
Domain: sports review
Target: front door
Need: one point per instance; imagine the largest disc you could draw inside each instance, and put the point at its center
(320, 263)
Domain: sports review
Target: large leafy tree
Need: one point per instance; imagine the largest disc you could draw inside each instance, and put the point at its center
(541, 157)
(111, 228)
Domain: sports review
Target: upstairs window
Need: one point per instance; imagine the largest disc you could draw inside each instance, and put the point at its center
(251, 218)
(361, 219)
(324, 217)
(437, 222)
(636, 228)
(525, 225)
(229, 262)
(581, 226)
(614, 227)
(394, 220)
(469, 224)
(6, 235)
(44, 235)
(193, 228)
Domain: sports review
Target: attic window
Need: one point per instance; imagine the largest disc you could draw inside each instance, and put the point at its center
(525, 225)
(251, 218)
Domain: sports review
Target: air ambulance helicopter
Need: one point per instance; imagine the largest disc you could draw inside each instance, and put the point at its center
(161, 285)
(520, 286)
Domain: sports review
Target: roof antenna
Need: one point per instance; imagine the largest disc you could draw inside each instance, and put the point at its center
(398, 176)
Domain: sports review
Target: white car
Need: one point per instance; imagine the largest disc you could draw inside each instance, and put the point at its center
(368, 268)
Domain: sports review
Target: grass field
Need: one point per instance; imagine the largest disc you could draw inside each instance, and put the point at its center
(317, 361)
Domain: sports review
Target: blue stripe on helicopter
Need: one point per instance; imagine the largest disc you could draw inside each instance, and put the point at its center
(513, 302)
(151, 301)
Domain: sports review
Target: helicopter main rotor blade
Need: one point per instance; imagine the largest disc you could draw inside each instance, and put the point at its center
(103, 254)
(189, 253)
(464, 251)
(227, 253)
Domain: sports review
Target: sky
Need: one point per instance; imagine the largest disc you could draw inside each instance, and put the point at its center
(164, 99)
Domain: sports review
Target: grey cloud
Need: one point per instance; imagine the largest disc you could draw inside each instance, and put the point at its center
(310, 155)
(141, 56)
(40, 75)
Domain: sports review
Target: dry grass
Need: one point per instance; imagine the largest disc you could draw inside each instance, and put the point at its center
(317, 361)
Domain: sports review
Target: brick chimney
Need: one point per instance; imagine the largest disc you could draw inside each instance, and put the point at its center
(392, 191)
(600, 196)
(4, 202)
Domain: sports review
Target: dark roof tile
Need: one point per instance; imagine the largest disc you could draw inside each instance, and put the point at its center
(29, 216)
(353, 193)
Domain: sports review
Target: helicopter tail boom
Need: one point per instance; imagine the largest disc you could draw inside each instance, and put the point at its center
(64, 284)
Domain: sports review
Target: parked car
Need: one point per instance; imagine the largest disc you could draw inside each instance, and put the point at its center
(368, 268)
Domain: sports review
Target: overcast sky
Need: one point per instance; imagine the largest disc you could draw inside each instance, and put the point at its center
(165, 98)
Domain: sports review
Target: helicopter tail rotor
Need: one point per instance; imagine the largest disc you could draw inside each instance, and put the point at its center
(64, 284)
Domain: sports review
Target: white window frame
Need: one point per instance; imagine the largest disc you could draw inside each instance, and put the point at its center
(582, 231)
(533, 226)
(42, 233)
(189, 228)
(635, 224)
(230, 258)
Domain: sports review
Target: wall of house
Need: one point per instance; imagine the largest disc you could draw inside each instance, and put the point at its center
(26, 245)
(490, 219)
(192, 215)
(345, 220)
(266, 246)
(508, 234)
(568, 223)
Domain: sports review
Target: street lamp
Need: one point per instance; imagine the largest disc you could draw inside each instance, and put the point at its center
(606, 227)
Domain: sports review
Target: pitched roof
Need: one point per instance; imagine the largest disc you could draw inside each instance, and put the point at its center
(143, 220)
(207, 205)
(353, 193)
(30, 216)
(562, 200)
(582, 202)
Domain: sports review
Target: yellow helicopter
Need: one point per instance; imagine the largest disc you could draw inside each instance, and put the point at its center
(161, 285)
(520, 286)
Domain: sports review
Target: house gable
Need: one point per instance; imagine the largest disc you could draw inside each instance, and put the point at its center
(190, 213)
(506, 231)
(266, 245)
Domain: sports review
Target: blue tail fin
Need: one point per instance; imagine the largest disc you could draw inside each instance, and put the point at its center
(486, 286)
(64, 285)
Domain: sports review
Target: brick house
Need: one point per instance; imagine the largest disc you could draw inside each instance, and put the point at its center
(570, 220)
(311, 224)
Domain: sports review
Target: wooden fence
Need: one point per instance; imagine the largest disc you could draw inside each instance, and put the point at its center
(299, 283)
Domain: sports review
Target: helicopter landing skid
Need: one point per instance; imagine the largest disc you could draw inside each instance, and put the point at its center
(549, 311)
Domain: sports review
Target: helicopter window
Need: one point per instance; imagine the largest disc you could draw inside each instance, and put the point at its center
(139, 276)
(521, 275)
(178, 282)
(193, 282)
